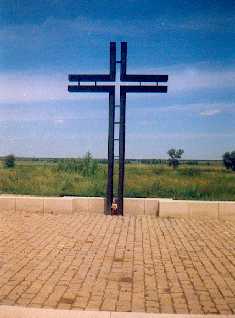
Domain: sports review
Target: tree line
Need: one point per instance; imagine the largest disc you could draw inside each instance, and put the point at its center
(88, 165)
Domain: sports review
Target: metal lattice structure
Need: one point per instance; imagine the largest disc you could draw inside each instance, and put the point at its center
(125, 88)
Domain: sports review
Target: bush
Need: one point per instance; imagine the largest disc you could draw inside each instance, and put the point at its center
(158, 170)
(9, 161)
(66, 187)
(191, 162)
(86, 166)
(190, 172)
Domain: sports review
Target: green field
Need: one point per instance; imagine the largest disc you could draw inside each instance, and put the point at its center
(203, 181)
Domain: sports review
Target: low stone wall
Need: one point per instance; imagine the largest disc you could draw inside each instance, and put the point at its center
(55, 205)
(197, 209)
(158, 207)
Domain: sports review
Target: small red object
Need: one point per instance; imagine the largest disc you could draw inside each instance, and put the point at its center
(114, 208)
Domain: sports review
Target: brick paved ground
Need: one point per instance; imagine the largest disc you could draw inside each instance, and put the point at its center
(98, 262)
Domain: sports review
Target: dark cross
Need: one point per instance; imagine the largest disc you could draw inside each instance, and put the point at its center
(124, 89)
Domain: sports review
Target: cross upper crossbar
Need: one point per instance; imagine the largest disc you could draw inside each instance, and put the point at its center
(111, 77)
(124, 89)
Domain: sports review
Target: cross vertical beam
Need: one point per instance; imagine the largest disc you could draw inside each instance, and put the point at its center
(122, 142)
(109, 192)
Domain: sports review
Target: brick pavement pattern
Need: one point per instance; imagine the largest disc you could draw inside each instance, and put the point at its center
(97, 262)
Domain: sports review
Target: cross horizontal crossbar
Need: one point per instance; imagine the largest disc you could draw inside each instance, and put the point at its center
(143, 89)
(90, 78)
(109, 89)
(124, 78)
(90, 88)
(143, 78)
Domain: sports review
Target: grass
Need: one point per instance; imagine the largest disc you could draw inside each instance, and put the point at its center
(199, 182)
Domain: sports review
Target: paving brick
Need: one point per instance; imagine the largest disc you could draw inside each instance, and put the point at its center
(132, 263)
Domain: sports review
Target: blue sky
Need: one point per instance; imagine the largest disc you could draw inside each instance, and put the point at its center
(43, 41)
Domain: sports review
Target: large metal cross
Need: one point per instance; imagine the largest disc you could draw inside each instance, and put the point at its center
(125, 87)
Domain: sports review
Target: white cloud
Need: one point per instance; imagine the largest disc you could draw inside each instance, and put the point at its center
(206, 109)
(59, 121)
(210, 112)
(190, 79)
(202, 109)
(193, 77)
(57, 113)
(26, 87)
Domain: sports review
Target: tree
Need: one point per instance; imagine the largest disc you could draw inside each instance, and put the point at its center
(229, 160)
(9, 161)
(175, 156)
(232, 156)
